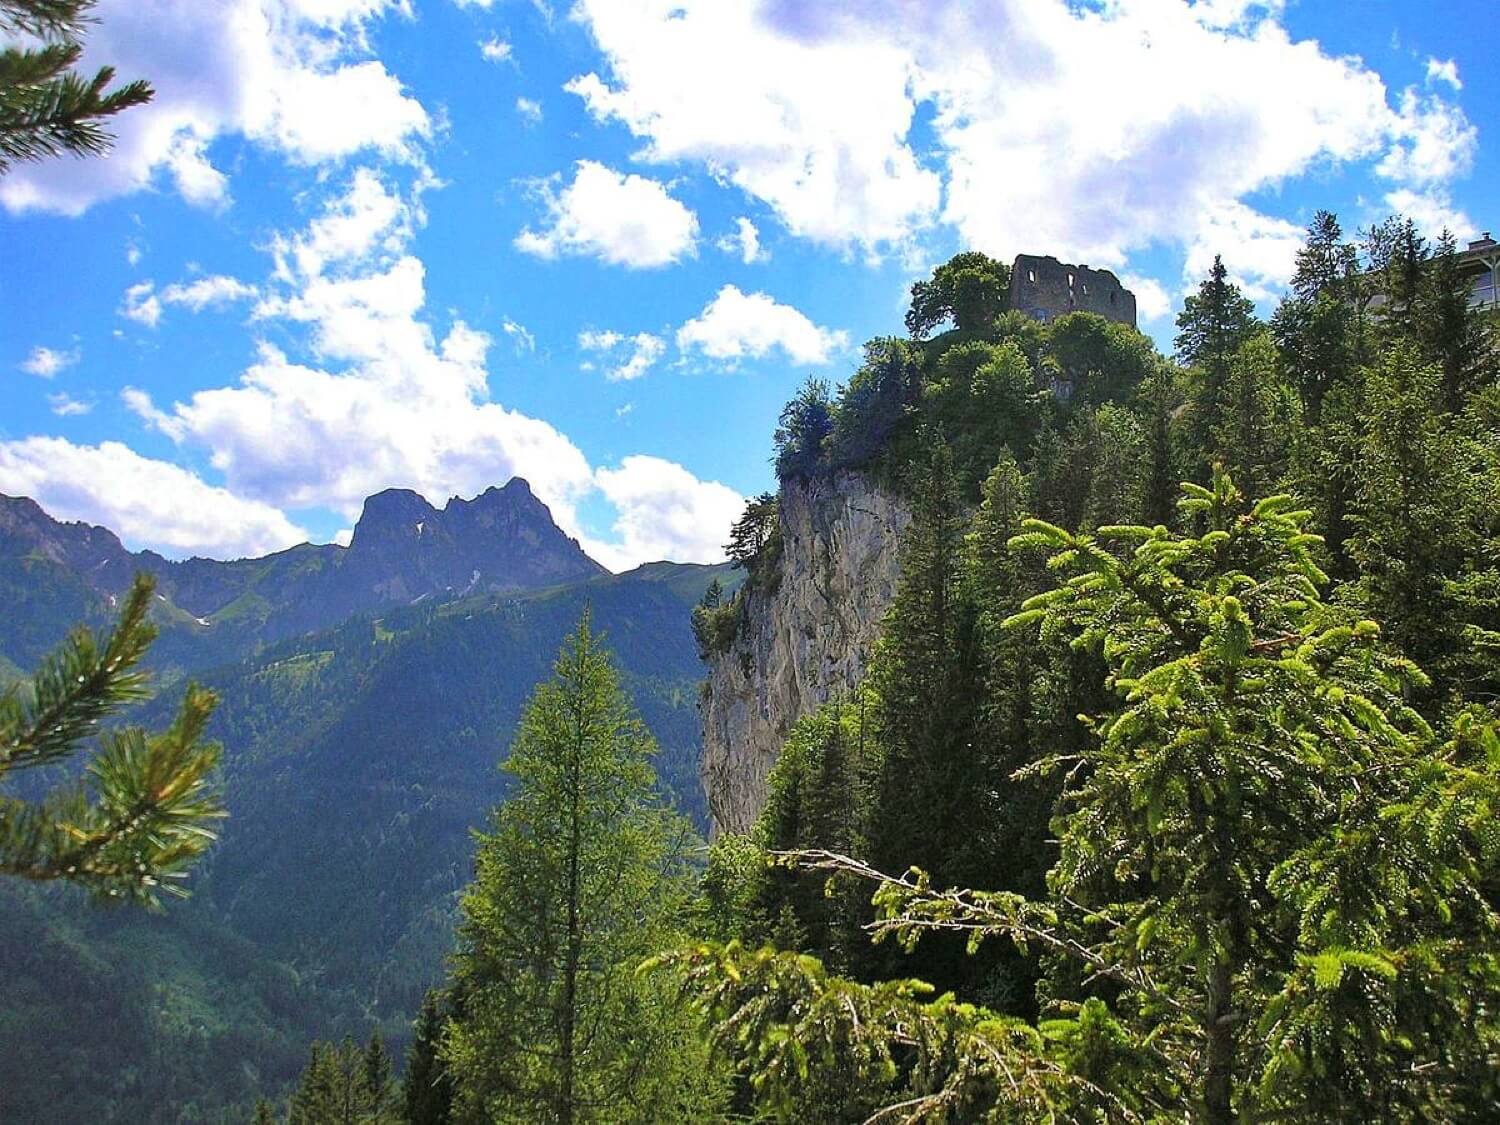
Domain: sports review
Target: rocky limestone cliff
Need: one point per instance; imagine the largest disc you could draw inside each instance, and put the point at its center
(808, 637)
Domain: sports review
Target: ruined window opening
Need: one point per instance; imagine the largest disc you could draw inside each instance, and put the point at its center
(1070, 281)
(1031, 276)
(1085, 288)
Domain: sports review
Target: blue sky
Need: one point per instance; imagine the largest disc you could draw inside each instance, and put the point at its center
(358, 244)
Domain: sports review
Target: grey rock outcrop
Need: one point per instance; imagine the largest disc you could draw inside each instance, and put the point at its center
(805, 639)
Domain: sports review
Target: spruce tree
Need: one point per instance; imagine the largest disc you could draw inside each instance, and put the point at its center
(46, 107)
(135, 828)
(1212, 326)
(581, 876)
(426, 1086)
(1453, 333)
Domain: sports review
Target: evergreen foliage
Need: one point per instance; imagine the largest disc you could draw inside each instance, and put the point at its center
(142, 820)
(345, 1084)
(582, 875)
(46, 107)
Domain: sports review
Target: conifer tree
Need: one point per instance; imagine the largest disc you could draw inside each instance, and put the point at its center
(1251, 439)
(1319, 325)
(426, 1086)
(135, 828)
(46, 107)
(1453, 333)
(1212, 326)
(580, 877)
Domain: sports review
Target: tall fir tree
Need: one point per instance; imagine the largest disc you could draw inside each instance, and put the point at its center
(582, 875)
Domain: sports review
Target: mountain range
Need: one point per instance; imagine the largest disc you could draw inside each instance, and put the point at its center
(367, 695)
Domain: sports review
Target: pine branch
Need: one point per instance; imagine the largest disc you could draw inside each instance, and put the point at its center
(86, 679)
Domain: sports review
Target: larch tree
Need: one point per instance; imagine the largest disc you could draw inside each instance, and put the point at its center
(47, 108)
(581, 877)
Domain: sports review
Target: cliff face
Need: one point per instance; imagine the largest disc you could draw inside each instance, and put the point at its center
(802, 641)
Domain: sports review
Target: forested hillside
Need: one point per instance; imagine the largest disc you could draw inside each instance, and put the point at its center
(356, 762)
(1198, 777)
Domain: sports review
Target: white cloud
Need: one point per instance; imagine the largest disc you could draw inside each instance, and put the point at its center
(1433, 211)
(809, 108)
(149, 503)
(495, 49)
(1151, 299)
(292, 76)
(132, 253)
(745, 241)
(529, 109)
(1445, 70)
(520, 335)
(664, 512)
(66, 406)
(1260, 252)
(46, 362)
(736, 325)
(817, 131)
(625, 220)
(142, 305)
(644, 350)
(1433, 142)
(591, 340)
(215, 290)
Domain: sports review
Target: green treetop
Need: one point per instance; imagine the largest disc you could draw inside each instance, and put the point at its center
(46, 107)
(142, 818)
(969, 289)
(581, 877)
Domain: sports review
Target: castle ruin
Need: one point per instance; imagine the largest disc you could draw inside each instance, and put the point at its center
(1044, 289)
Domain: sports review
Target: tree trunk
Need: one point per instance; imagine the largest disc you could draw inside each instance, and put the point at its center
(1218, 1080)
(573, 953)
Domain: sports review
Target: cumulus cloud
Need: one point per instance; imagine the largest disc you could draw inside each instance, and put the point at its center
(529, 109)
(632, 356)
(1260, 252)
(390, 400)
(737, 325)
(292, 76)
(45, 362)
(817, 131)
(625, 220)
(1433, 211)
(664, 512)
(809, 108)
(495, 49)
(150, 503)
(745, 241)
